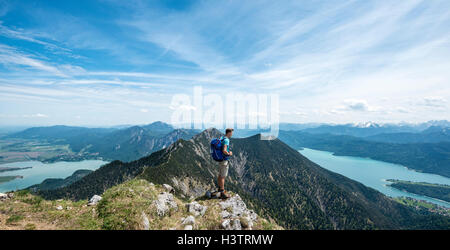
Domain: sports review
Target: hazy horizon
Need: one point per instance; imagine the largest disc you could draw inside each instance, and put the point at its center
(179, 126)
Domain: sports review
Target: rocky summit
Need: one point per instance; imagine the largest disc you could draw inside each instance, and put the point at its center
(133, 205)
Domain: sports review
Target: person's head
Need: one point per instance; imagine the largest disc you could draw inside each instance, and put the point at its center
(229, 132)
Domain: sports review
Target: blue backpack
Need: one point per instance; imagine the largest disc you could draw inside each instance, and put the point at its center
(216, 150)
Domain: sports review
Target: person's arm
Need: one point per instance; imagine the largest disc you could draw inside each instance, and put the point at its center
(225, 152)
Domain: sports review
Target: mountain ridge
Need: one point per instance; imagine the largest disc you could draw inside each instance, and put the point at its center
(126, 144)
(274, 179)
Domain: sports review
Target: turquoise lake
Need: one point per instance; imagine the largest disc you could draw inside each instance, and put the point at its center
(374, 173)
(41, 171)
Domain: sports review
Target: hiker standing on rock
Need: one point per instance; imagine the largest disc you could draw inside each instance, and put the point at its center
(220, 151)
(223, 165)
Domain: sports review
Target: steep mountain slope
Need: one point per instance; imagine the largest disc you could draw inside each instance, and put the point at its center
(274, 179)
(423, 157)
(136, 142)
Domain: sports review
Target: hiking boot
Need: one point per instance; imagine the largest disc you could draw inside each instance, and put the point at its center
(224, 195)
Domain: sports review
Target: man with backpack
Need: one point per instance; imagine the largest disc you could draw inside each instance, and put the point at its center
(220, 150)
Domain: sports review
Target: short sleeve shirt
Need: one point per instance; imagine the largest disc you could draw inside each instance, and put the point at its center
(226, 141)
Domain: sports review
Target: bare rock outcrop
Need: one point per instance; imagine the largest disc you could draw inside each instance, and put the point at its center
(236, 215)
(165, 203)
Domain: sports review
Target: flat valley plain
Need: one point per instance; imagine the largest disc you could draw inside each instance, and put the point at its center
(17, 150)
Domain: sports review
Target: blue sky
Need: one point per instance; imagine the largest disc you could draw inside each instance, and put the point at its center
(113, 62)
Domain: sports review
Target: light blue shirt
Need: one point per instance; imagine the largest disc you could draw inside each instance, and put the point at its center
(226, 141)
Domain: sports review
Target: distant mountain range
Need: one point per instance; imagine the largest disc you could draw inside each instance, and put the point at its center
(274, 179)
(424, 147)
(124, 144)
(365, 129)
(361, 130)
(433, 134)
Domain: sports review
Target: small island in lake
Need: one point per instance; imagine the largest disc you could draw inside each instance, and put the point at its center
(9, 178)
(6, 169)
(438, 191)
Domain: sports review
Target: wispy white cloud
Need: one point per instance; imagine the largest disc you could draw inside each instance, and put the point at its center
(354, 105)
(183, 107)
(357, 105)
(434, 101)
(37, 115)
(336, 61)
(10, 56)
(23, 35)
(402, 110)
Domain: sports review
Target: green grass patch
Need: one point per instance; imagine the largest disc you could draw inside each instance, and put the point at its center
(14, 219)
(122, 206)
(22, 193)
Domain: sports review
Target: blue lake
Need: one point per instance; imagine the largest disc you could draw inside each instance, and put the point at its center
(374, 173)
(41, 171)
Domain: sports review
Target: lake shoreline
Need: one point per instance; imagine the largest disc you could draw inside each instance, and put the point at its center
(375, 174)
(41, 171)
(356, 156)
